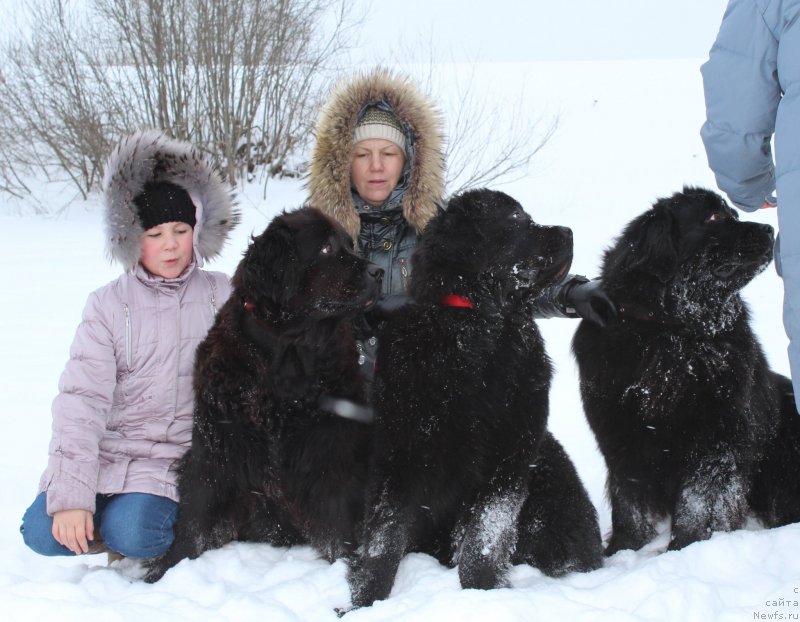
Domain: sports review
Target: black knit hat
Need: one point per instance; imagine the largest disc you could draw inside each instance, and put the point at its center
(163, 201)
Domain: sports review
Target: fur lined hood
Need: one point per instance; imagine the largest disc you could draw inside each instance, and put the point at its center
(329, 172)
(150, 155)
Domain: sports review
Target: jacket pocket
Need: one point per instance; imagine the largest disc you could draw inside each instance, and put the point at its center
(113, 472)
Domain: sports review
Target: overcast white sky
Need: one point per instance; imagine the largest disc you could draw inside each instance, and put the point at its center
(526, 30)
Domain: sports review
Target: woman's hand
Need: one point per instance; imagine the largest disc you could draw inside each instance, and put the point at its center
(74, 529)
(590, 301)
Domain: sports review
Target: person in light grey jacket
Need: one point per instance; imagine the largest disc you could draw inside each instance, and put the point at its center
(752, 92)
(123, 415)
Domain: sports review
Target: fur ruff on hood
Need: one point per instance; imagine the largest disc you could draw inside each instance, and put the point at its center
(329, 171)
(150, 155)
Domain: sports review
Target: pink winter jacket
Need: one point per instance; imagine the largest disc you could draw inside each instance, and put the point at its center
(123, 415)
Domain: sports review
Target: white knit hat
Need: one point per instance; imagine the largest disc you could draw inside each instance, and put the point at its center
(378, 123)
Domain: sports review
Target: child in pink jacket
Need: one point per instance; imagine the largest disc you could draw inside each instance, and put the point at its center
(123, 415)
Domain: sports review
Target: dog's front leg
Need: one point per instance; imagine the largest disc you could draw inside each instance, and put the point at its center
(201, 523)
(713, 498)
(386, 540)
(632, 523)
(490, 536)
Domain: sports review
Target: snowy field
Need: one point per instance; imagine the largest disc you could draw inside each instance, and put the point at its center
(627, 134)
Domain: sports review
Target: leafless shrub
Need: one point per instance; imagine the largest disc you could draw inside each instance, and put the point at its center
(52, 116)
(489, 139)
(238, 78)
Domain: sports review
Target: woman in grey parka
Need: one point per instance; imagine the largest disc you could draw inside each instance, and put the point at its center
(378, 169)
(123, 415)
(752, 91)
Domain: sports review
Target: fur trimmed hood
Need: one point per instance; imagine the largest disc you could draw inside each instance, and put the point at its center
(329, 171)
(150, 155)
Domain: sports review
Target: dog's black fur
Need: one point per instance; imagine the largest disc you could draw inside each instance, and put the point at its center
(463, 467)
(267, 464)
(775, 496)
(677, 390)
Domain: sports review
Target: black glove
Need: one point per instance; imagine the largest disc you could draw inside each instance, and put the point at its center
(588, 300)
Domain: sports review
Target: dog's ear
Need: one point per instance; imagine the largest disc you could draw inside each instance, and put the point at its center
(656, 249)
(450, 248)
(267, 273)
(648, 244)
(458, 237)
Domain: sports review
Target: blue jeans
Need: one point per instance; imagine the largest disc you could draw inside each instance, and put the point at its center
(135, 525)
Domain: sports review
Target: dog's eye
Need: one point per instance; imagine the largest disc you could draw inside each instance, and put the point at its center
(326, 249)
(716, 216)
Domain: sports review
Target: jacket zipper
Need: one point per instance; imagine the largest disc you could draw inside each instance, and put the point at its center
(213, 295)
(176, 368)
(128, 346)
(404, 273)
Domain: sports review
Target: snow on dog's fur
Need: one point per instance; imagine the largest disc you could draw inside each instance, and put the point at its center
(267, 462)
(463, 467)
(677, 389)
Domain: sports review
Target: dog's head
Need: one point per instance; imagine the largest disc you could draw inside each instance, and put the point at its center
(689, 254)
(484, 243)
(303, 267)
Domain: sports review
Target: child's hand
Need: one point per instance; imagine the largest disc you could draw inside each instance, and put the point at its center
(74, 529)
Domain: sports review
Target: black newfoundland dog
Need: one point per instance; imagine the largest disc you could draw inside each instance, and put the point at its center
(267, 463)
(677, 390)
(463, 467)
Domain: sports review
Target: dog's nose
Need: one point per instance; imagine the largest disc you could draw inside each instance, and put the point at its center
(565, 233)
(757, 233)
(767, 229)
(559, 238)
(375, 272)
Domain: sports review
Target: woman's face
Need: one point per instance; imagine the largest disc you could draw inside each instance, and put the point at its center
(375, 169)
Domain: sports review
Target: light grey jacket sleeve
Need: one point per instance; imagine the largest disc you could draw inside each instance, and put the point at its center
(742, 95)
(80, 411)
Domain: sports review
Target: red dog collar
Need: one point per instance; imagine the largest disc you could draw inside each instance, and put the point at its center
(454, 300)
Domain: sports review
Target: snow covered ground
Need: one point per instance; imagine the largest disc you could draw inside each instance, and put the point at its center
(627, 134)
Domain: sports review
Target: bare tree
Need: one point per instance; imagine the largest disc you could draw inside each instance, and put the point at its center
(236, 77)
(489, 140)
(239, 78)
(53, 116)
(265, 57)
(300, 44)
(150, 50)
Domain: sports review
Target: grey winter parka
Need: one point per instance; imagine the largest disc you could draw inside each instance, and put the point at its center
(752, 91)
(123, 415)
